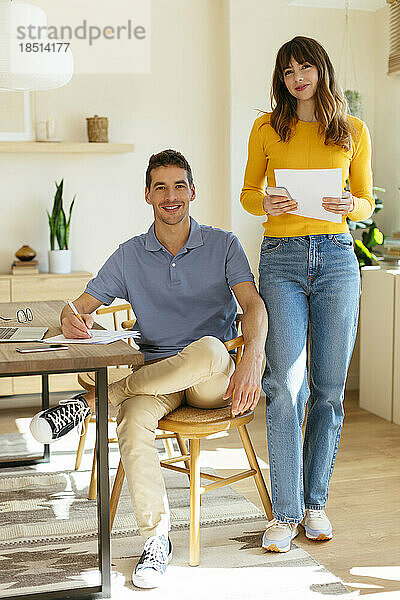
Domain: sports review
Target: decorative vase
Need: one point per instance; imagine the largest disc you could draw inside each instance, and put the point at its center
(60, 261)
(25, 253)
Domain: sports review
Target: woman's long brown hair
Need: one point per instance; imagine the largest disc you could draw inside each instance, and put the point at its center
(330, 103)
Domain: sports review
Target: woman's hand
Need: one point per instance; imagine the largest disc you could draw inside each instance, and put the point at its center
(339, 206)
(278, 205)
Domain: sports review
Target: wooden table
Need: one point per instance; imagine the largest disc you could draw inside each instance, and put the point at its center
(78, 358)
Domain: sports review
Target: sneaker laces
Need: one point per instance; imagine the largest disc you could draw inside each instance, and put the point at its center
(73, 409)
(316, 514)
(155, 553)
(278, 524)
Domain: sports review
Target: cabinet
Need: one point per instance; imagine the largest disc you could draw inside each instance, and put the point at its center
(380, 342)
(44, 286)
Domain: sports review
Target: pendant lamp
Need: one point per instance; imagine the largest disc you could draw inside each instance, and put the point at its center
(29, 71)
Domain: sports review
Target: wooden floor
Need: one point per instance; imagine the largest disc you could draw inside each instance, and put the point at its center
(364, 501)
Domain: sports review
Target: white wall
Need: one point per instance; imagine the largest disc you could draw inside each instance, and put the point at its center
(183, 104)
(387, 127)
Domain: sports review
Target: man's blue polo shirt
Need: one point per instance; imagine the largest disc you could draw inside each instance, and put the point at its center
(176, 299)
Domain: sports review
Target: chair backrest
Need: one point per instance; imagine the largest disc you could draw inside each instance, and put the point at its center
(116, 309)
(236, 344)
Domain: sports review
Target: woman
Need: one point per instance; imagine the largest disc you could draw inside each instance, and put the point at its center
(309, 281)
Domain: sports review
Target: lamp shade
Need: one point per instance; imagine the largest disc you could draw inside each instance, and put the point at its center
(26, 70)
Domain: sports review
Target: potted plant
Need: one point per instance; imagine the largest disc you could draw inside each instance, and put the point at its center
(371, 236)
(354, 102)
(59, 260)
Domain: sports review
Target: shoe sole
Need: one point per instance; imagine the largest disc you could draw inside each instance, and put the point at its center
(315, 536)
(34, 429)
(273, 547)
(322, 537)
(142, 583)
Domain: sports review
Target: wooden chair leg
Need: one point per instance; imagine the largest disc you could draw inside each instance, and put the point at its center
(116, 492)
(194, 549)
(93, 479)
(81, 445)
(169, 447)
(183, 449)
(252, 458)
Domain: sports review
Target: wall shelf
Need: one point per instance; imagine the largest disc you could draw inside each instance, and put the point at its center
(65, 147)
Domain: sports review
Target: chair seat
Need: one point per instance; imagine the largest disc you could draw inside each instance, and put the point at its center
(199, 423)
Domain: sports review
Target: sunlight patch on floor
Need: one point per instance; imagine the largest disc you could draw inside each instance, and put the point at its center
(391, 573)
(227, 458)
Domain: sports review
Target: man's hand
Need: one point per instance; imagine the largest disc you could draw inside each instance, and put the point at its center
(72, 327)
(245, 383)
(339, 206)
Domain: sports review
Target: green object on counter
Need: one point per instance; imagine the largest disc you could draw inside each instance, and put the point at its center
(59, 226)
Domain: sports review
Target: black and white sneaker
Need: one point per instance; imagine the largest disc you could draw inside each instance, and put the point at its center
(50, 425)
(152, 564)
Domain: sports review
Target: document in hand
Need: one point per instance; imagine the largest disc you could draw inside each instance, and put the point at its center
(99, 336)
(308, 187)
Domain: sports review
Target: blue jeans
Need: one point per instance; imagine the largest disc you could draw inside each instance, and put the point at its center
(311, 289)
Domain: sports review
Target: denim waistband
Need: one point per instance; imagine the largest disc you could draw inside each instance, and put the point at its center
(319, 236)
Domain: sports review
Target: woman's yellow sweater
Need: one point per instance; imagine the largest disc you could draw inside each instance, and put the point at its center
(306, 150)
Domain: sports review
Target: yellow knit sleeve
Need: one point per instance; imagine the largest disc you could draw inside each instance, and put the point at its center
(360, 177)
(252, 195)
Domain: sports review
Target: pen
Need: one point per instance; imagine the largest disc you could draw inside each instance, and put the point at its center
(72, 307)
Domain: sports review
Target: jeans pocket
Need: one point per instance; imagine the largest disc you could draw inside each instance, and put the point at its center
(270, 245)
(343, 240)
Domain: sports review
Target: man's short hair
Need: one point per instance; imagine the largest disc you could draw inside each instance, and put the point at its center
(168, 158)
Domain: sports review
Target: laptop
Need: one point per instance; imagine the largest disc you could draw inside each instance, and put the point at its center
(22, 334)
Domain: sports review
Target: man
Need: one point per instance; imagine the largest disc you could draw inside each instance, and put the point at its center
(179, 278)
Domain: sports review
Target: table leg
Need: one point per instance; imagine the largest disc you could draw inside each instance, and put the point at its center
(45, 405)
(103, 491)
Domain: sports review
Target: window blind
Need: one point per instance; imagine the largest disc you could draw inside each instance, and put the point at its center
(394, 31)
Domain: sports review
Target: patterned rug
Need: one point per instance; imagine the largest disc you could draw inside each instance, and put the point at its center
(48, 540)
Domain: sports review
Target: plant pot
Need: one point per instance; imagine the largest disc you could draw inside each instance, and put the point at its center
(60, 261)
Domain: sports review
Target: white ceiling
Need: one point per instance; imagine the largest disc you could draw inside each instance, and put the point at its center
(354, 4)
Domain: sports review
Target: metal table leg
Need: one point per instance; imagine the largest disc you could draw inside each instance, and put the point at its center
(45, 405)
(103, 491)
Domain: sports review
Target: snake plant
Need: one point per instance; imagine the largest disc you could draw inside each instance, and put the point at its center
(59, 226)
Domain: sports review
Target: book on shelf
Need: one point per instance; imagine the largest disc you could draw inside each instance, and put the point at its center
(20, 267)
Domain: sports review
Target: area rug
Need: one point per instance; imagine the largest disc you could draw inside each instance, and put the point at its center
(48, 542)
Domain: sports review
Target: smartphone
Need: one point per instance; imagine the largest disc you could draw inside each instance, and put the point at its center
(49, 348)
(278, 191)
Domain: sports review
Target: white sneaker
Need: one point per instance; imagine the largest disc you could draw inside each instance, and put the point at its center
(278, 535)
(317, 525)
(51, 424)
(152, 565)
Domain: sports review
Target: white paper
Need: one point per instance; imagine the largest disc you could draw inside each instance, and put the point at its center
(99, 336)
(308, 187)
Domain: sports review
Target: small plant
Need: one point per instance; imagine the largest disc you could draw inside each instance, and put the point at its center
(371, 236)
(354, 103)
(59, 226)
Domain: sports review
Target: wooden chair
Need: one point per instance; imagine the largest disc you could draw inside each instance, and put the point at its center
(86, 380)
(195, 424)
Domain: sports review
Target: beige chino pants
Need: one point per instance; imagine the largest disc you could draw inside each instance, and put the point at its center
(200, 374)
